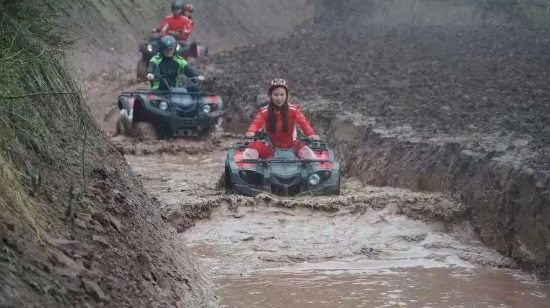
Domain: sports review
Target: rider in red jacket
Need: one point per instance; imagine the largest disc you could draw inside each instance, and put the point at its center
(279, 120)
(177, 24)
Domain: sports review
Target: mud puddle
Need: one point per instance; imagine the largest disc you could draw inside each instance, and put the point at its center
(370, 247)
(409, 287)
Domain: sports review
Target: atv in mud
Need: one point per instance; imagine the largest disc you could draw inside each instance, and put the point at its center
(150, 47)
(283, 174)
(180, 111)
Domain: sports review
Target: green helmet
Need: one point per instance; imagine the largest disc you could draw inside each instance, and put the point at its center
(167, 42)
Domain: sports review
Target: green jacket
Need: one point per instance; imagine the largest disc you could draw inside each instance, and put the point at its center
(182, 69)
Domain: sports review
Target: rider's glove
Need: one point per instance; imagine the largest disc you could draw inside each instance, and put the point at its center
(150, 76)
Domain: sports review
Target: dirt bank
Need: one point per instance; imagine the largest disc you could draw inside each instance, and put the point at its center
(77, 228)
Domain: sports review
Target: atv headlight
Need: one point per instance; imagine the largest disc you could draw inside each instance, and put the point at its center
(178, 47)
(251, 177)
(314, 179)
(325, 175)
(206, 108)
(149, 48)
(163, 105)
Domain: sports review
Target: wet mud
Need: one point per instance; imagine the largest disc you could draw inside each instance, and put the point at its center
(409, 287)
(370, 246)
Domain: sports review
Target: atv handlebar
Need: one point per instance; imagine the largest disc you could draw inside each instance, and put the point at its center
(162, 78)
(265, 137)
(284, 161)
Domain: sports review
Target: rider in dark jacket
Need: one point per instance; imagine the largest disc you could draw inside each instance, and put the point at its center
(168, 65)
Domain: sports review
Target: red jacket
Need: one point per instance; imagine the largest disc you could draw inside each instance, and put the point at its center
(280, 138)
(177, 23)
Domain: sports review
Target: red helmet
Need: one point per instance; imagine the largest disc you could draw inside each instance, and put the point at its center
(278, 82)
(188, 8)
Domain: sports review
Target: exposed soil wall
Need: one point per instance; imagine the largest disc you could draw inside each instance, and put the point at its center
(77, 228)
(508, 204)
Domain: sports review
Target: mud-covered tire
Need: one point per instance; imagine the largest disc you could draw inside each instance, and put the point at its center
(122, 127)
(227, 184)
(145, 131)
(141, 73)
(337, 191)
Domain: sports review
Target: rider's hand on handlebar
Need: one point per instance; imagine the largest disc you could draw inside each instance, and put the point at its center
(315, 137)
(150, 76)
(250, 134)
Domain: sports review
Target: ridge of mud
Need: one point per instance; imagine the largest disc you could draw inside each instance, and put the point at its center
(356, 199)
(362, 225)
(506, 202)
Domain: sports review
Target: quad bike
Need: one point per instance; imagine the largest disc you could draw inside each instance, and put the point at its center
(150, 47)
(180, 111)
(283, 174)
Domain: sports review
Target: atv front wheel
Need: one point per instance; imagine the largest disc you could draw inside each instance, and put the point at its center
(227, 184)
(145, 131)
(337, 191)
(141, 70)
(123, 127)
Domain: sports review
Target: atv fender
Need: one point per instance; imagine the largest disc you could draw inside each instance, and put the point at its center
(126, 103)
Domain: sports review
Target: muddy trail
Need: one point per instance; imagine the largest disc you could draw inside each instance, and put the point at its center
(369, 247)
(457, 114)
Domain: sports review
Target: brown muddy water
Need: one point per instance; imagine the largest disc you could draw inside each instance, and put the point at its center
(361, 249)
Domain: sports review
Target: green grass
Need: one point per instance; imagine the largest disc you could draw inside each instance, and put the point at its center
(31, 62)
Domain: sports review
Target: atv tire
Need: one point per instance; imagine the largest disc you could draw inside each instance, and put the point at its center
(337, 191)
(145, 131)
(122, 126)
(141, 70)
(227, 184)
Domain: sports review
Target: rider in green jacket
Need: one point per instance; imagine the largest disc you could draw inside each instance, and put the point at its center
(169, 66)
